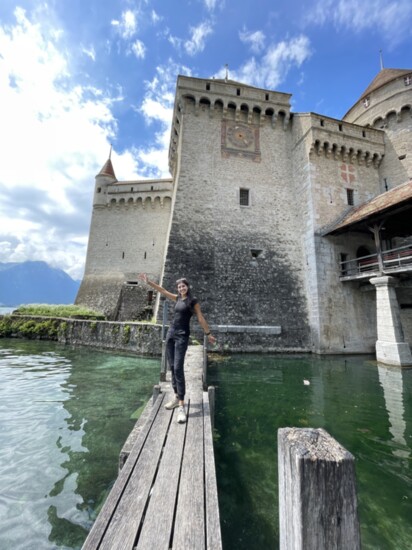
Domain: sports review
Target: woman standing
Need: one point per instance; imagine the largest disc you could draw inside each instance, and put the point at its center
(177, 338)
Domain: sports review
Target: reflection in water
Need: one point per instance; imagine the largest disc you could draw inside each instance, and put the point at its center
(64, 416)
(346, 396)
(392, 383)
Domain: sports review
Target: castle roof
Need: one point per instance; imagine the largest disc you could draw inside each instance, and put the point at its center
(383, 77)
(395, 203)
(107, 170)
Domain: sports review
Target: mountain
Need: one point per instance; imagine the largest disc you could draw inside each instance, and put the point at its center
(35, 283)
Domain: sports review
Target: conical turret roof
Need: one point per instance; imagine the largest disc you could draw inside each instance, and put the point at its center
(107, 170)
(383, 77)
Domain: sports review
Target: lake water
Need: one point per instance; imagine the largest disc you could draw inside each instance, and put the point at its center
(367, 408)
(64, 416)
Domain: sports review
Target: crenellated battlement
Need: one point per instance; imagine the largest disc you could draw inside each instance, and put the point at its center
(229, 100)
(392, 116)
(340, 140)
(139, 193)
(150, 201)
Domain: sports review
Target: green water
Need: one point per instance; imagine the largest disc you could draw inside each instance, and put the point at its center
(367, 408)
(64, 416)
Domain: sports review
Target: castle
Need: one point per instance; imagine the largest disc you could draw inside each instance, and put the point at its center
(280, 220)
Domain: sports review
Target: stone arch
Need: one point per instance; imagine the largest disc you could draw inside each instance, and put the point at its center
(269, 115)
(130, 201)
(378, 122)
(189, 103)
(139, 202)
(244, 112)
(157, 203)
(204, 103)
(218, 105)
(122, 201)
(231, 110)
(167, 203)
(147, 202)
(391, 117)
(405, 111)
(113, 202)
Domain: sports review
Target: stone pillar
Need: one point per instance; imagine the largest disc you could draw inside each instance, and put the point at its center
(391, 347)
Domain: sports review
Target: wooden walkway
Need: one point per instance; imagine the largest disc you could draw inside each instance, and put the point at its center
(165, 496)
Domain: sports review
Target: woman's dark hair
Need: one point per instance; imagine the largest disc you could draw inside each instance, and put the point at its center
(189, 292)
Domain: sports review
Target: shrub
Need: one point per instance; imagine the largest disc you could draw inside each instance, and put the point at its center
(70, 311)
(126, 334)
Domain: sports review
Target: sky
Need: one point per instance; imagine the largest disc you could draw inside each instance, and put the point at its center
(79, 75)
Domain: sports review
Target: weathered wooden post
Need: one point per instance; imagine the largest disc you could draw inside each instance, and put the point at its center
(317, 492)
(211, 393)
(163, 365)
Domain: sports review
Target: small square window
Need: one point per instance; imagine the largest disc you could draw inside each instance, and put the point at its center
(244, 197)
(349, 195)
(322, 122)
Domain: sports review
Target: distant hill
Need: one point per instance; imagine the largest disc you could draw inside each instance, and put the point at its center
(35, 283)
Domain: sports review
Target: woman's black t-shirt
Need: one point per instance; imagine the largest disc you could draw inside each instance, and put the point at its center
(183, 313)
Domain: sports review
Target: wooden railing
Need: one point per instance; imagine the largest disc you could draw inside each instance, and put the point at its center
(396, 259)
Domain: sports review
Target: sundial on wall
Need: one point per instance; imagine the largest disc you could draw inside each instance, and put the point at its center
(240, 135)
(241, 140)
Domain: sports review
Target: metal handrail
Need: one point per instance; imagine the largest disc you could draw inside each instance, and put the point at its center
(392, 259)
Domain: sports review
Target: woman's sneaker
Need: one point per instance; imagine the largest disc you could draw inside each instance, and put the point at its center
(181, 415)
(172, 404)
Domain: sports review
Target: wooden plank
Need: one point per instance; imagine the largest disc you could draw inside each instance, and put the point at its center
(99, 528)
(125, 523)
(158, 523)
(213, 533)
(190, 521)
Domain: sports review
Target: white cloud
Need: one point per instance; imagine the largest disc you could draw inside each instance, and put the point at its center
(272, 68)
(157, 108)
(211, 4)
(90, 52)
(256, 40)
(391, 18)
(155, 17)
(127, 26)
(139, 49)
(197, 41)
(55, 141)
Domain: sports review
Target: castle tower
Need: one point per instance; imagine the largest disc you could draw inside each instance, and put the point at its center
(127, 236)
(235, 230)
(386, 104)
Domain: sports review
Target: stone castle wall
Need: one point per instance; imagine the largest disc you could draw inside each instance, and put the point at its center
(390, 108)
(265, 263)
(213, 239)
(127, 236)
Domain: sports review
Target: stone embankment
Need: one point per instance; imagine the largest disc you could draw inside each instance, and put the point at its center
(140, 338)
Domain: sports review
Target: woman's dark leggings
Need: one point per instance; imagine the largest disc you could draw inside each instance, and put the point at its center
(176, 346)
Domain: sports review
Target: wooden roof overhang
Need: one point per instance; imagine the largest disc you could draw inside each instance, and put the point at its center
(391, 212)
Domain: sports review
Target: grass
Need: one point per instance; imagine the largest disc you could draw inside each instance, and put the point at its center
(62, 310)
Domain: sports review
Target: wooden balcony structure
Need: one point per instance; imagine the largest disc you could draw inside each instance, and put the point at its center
(388, 217)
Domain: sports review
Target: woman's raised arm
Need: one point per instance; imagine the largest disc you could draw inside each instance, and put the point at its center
(144, 278)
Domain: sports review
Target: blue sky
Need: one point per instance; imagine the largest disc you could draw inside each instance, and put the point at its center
(77, 75)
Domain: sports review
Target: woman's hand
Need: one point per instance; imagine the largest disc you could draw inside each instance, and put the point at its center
(211, 339)
(143, 277)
